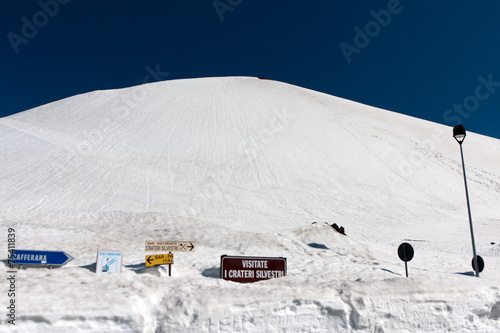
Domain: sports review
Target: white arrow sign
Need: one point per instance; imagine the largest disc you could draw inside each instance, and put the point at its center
(161, 246)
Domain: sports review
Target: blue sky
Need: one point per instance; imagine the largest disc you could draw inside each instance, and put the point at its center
(436, 60)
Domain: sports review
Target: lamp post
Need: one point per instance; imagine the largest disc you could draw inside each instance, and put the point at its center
(459, 135)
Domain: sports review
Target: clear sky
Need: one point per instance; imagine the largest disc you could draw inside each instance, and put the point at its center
(436, 60)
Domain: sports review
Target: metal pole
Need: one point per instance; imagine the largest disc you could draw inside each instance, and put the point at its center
(406, 263)
(476, 268)
(169, 268)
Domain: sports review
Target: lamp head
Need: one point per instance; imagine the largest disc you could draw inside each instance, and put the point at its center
(459, 133)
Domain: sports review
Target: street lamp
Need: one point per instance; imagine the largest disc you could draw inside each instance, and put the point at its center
(459, 135)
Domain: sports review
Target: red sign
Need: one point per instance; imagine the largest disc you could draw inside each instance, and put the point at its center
(251, 269)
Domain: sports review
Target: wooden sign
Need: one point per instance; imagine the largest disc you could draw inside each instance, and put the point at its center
(163, 246)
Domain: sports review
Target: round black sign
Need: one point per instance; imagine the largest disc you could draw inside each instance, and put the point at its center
(480, 264)
(405, 252)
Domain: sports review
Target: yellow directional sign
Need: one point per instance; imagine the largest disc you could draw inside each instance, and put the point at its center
(159, 259)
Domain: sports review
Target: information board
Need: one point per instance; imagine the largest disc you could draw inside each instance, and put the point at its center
(108, 262)
(251, 269)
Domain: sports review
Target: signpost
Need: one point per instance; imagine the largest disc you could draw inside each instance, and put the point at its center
(40, 258)
(405, 253)
(163, 246)
(108, 262)
(159, 259)
(251, 269)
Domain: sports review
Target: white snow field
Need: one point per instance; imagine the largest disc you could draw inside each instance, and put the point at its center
(244, 166)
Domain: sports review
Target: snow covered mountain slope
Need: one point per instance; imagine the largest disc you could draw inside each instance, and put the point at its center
(224, 149)
(245, 166)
